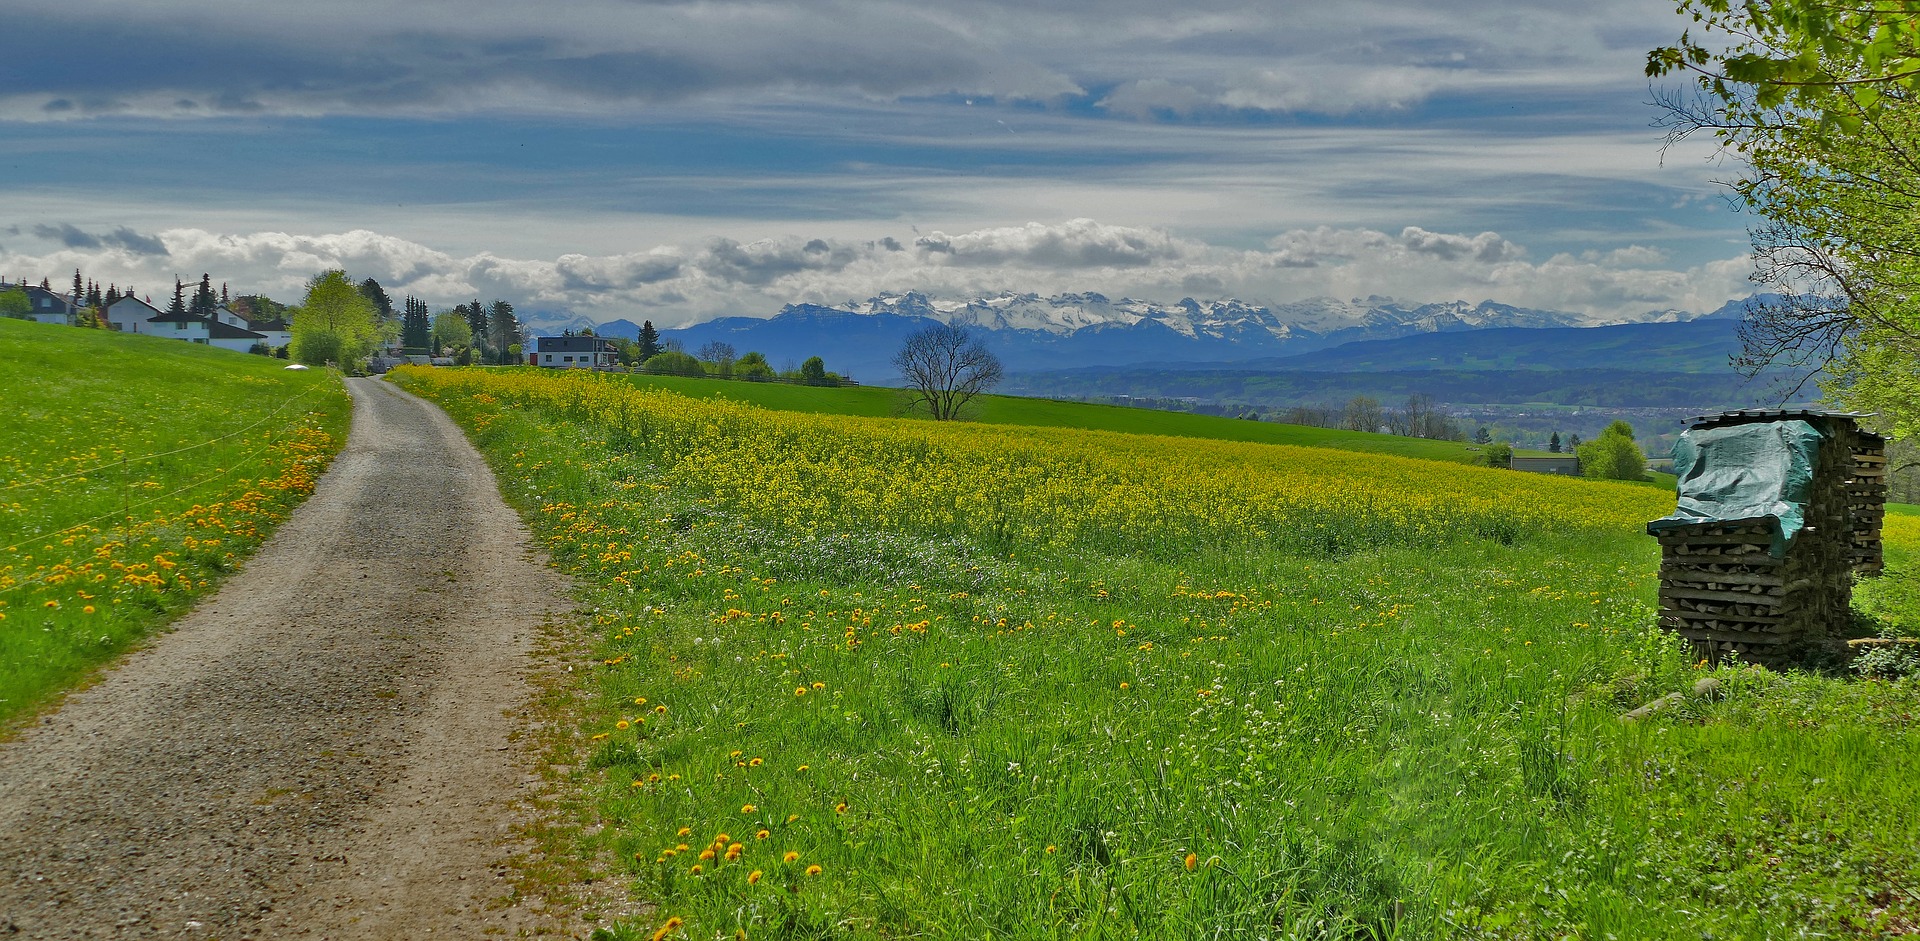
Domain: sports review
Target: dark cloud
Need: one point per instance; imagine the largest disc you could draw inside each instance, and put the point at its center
(122, 238)
(67, 235)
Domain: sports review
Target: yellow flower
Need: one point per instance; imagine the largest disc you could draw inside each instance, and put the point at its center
(1193, 859)
(1050, 849)
(792, 817)
(840, 808)
(803, 767)
(819, 685)
(622, 724)
(684, 831)
(814, 870)
(753, 877)
(706, 854)
(763, 834)
(790, 856)
(755, 763)
(748, 808)
(797, 690)
(695, 870)
(734, 851)
(721, 839)
(660, 709)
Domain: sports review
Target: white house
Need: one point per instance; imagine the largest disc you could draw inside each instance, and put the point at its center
(130, 315)
(278, 332)
(229, 337)
(570, 352)
(183, 327)
(49, 306)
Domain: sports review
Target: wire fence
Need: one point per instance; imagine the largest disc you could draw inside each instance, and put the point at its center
(125, 464)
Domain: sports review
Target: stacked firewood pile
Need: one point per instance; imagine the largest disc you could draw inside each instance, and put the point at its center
(1725, 586)
(1867, 491)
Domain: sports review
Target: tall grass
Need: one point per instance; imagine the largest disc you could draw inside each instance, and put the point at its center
(1072, 727)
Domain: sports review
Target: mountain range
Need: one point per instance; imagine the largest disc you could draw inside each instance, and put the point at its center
(1030, 332)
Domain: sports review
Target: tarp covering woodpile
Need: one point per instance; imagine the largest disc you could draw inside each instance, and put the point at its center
(1758, 472)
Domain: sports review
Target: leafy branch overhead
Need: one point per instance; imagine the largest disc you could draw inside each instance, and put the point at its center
(1807, 54)
(1819, 101)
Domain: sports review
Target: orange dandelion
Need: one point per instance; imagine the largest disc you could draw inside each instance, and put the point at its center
(814, 870)
(753, 878)
(1193, 859)
(696, 870)
(684, 831)
(790, 856)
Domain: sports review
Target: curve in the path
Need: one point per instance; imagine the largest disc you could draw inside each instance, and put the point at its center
(321, 749)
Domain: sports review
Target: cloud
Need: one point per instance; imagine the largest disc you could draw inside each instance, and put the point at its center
(675, 284)
(1080, 243)
(213, 58)
(121, 237)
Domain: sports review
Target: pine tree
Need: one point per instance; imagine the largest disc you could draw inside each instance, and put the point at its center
(224, 299)
(649, 341)
(94, 300)
(204, 300)
(79, 290)
(503, 328)
(1553, 443)
(113, 294)
(382, 304)
(178, 309)
(416, 326)
(477, 322)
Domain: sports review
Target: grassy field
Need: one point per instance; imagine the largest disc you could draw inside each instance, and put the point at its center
(868, 678)
(1013, 410)
(135, 471)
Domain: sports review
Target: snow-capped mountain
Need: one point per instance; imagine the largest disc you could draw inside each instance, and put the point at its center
(1029, 331)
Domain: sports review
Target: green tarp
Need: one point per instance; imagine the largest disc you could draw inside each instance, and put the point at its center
(1743, 473)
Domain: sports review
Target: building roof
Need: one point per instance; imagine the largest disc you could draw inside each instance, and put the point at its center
(164, 317)
(219, 330)
(575, 345)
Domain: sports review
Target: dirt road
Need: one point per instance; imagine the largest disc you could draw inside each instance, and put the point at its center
(322, 749)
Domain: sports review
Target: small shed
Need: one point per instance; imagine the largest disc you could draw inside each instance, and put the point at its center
(1776, 510)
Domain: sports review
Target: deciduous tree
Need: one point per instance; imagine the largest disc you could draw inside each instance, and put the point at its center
(945, 367)
(1821, 102)
(335, 323)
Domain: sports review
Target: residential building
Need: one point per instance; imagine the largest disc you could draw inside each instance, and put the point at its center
(574, 352)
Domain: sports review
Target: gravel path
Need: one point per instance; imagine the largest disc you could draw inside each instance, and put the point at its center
(322, 749)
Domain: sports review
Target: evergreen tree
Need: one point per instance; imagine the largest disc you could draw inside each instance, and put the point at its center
(224, 299)
(377, 296)
(79, 290)
(94, 300)
(476, 321)
(204, 300)
(416, 326)
(112, 295)
(1553, 443)
(503, 329)
(649, 342)
(1573, 442)
(178, 309)
(1483, 436)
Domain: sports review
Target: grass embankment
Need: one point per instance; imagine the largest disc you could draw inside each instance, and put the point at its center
(135, 471)
(884, 679)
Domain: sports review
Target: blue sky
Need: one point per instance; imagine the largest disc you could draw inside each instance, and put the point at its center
(676, 161)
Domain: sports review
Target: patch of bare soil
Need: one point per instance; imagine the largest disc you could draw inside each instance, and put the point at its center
(326, 748)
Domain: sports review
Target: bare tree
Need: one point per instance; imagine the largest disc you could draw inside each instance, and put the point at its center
(945, 367)
(1362, 414)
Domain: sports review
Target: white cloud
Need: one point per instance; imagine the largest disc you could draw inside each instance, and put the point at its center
(675, 284)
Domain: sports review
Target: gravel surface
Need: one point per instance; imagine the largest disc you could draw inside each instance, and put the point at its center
(321, 750)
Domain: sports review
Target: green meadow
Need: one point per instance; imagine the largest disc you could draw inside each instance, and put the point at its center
(878, 402)
(134, 473)
(868, 677)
